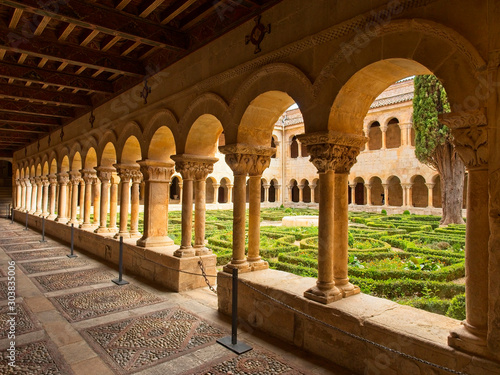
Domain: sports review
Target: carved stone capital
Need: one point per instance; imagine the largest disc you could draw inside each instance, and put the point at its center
(245, 159)
(332, 150)
(125, 172)
(38, 180)
(63, 178)
(105, 173)
(52, 179)
(193, 167)
(75, 177)
(136, 177)
(88, 175)
(45, 181)
(470, 136)
(32, 181)
(156, 170)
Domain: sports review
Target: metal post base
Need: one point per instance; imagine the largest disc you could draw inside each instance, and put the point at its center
(72, 256)
(239, 348)
(120, 282)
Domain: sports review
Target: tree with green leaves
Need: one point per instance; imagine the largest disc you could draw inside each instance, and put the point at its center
(434, 147)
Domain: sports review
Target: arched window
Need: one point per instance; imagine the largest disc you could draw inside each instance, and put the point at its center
(272, 192)
(294, 148)
(393, 134)
(375, 135)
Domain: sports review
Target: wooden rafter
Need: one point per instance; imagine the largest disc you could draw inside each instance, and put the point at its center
(175, 9)
(45, 96)
(19, 119)
(35, 109)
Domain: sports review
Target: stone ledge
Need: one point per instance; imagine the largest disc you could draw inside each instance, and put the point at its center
(415, 332)
(156, 264)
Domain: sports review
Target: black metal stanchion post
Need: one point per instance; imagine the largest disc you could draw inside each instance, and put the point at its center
(12, 215)
(26, 228)
(120, 281)
(43, 230)
(231, 342)
(71, 255)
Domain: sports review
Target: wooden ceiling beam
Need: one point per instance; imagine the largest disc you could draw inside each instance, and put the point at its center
(21, 119)
(200, 13)
(175, 9)
(16, 16)
(50, 77)
(21, 130)
(42, 47)
(148, 9)
(35, 109)
(46, 96)
(106, 20)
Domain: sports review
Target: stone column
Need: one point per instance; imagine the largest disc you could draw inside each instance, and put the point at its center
(187, 170)
(74, 178)
(470, 135)
(368, 194)
(242, 159)
(18, 194)
(180, 190)
(45, 196)
(406, 194)
(266, 193)
(63, 180)
(229, 193)
(33, 195)
(113, 203)
(125, 173)
(333, 154)
(277, 192)
(313, 197)
(96, 201)
(430, 194)
(301, 193)
(134, 205)
(386, 195)
(156, 176)
(81, 203)
(258, 164)
(384, 137)
(89, 177)
(38, 207)
(104, 174)
(290, 193)
(216, 193)
(52, 196)
(23, 194)
(353, 192)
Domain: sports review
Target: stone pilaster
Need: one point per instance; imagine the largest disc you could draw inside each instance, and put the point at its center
(104, 174)
(89, 176)
(52, 196)
(63, 180)
(157, 177)
(469, 130)
(333, 154)
(243, 160)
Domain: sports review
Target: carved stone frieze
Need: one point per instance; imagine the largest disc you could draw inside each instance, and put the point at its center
(156, 171)
(470, 136)
(332, 151)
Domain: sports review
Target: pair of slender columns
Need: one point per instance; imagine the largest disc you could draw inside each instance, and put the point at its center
(109, 191)
(63, 180)
(128, 174)
(243, 160)
(89, 176)
(333, 154)
(194, 170)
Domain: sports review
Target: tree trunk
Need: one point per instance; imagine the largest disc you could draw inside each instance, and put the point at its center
(452, 171)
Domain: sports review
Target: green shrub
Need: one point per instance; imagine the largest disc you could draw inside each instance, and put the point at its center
(383, 212)
(457, 307)
(350, 240)
(406, 212)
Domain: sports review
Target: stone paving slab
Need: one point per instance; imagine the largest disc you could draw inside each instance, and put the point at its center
(134, 344)
(36, 358)
(53, 265)
(256, 361)
(23, 318)
(98, 302)
(3, 290)
(75, 279)
(30, 246)
(37, 254)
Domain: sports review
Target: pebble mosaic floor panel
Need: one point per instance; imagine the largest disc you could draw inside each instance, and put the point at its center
(255, 361)
(137, 343)
(30, 246)
(68, 280)
(53, 264)
(3, 290)
(23, 319)
(37, 358)
(98, 302)
(37, 254)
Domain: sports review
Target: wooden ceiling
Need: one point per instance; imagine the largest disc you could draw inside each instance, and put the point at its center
(61, 58)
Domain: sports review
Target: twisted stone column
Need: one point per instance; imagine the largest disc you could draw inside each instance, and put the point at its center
(333, 154)
(480, 333)
(33, 189)
(243, 159)
(134, 203)
(88, 176)
(104, 175)
(63, 180)
(52, 196)
(157, 177)
(38, 208)
(74, 177)
(125, 173)
(45, 196)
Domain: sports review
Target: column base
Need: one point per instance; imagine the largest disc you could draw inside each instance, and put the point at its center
(258, 265)
(62, 220)
(184, 252)
(101, 230)
(86, 226)
(202, 251)
(323, 296)
(122, 234)
(242, 267)
(155, 241)
(31, 212)
(75, 222)
(51, 217)
(45, 215)
(113, 229)
(471, 340)
(135, 234)
(348, 289)
(37, 213)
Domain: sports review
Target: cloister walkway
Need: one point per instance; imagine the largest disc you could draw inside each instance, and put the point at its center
(71, 319)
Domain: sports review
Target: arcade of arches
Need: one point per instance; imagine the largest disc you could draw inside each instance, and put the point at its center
(334, 66)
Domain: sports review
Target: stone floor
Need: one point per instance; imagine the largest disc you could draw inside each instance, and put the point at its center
(71, 319)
